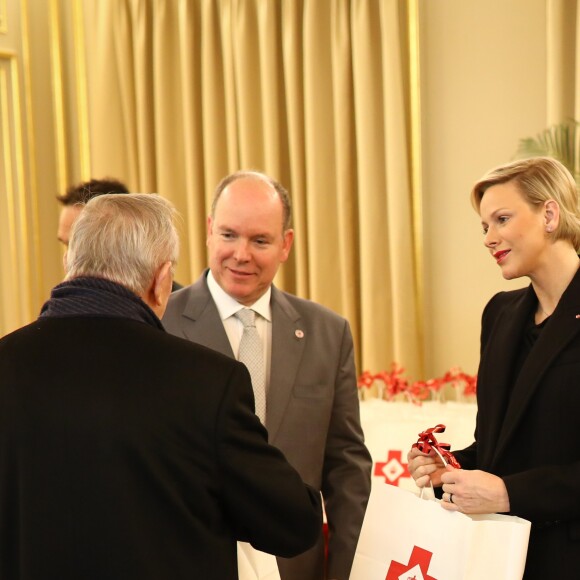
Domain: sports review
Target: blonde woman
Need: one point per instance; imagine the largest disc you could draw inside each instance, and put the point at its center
(525, 459)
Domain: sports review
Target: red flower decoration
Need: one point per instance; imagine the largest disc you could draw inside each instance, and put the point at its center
(392, 383)
(366, 380)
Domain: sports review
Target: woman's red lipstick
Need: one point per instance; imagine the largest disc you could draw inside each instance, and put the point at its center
(499, 256)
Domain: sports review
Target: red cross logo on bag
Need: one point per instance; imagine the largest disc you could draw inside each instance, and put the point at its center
(416, 569)
(392, 469)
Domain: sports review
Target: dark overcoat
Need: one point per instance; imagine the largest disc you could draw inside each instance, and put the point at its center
(127, 453)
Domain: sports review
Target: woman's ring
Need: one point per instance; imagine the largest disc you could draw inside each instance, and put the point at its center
(450, 498)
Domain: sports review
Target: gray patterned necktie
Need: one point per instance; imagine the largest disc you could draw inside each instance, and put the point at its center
(251, 353)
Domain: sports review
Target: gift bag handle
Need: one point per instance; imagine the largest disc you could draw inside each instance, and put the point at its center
(427, 442)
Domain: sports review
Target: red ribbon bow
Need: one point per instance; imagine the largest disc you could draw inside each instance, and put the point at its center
(427, 441)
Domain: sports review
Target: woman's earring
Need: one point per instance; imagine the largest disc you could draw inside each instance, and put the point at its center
(549, 229)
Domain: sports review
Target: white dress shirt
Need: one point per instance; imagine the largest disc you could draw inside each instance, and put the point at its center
(227, 308)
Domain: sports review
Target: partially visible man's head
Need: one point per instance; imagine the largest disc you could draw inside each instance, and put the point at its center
(77, 196)
(256, 175)
(123, 238)
(248, 234)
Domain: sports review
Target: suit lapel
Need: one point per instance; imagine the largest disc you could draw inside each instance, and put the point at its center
(496, 370)
(201, 321)
(288, 343)
(562, 327)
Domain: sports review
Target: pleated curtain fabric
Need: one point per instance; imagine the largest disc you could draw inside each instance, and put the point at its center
(251, 353)
(313, 92)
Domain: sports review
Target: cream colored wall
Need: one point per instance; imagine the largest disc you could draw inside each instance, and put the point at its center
(483, 88)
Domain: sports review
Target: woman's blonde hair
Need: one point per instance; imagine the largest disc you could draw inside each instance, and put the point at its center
(539, 179)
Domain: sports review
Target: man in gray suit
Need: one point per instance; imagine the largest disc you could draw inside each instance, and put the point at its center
(312, 410)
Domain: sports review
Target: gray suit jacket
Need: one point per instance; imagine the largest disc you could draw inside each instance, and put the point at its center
(312, 411)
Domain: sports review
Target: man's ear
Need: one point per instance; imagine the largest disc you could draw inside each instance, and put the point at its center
(160, 281)
(288, 238)
(209, 228)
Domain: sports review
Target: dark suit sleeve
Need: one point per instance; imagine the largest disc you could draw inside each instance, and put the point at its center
(468, 457)
(266, 499)
(347, 466)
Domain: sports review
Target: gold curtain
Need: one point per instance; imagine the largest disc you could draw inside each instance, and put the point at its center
(315, 93)
(563, 53)
(22, 265)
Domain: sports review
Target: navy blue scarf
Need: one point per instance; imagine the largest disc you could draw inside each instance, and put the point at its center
(86, 296)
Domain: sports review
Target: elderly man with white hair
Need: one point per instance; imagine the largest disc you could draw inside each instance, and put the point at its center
(125, 452)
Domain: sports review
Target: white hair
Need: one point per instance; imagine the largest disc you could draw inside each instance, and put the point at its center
(123, 238)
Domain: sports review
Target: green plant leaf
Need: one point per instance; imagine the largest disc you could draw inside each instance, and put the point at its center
(561, 141)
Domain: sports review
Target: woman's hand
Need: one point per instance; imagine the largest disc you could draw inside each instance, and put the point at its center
(425, 468)
(474, 492)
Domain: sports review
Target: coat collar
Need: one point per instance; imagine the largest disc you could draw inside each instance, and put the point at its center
(201, 319)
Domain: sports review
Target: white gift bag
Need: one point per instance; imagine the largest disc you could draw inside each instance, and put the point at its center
(256, 565)
(404, 536)
(390, 428)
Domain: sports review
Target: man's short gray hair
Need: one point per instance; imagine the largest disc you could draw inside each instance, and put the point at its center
(123, 238)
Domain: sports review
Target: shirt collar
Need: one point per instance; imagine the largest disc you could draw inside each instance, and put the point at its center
(228, 306)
